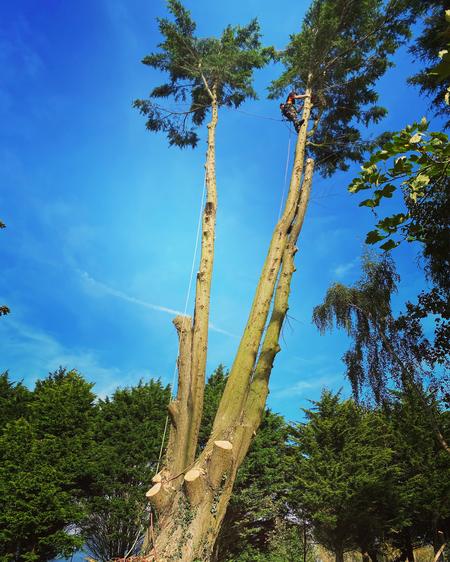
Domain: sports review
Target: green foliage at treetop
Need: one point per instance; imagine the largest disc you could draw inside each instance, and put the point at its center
(14, 400)
(416, 163)
(341, 51)
(432, 48)
(201, 72)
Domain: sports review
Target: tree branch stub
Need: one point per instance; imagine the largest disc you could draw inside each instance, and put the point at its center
(159, 496)
(196, 486)
(220, 461)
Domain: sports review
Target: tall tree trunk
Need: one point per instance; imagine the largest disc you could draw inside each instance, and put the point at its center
(185, 411)
(191, 499)
(305, 542)
(438, 544)
(410, 553)
(339, 554)
(235, 392)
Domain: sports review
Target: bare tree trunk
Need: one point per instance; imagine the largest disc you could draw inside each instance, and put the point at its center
(235, 393)
(339, 554)
(410, 552)
(185, 410)
(438, 544)
(305, 542)
(191, 496)
(259, 386)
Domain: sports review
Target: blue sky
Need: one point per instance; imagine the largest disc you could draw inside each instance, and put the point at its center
(101, 215)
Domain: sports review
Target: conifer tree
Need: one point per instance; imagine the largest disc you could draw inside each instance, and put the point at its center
(343, 474)
(45, 469)
(204, 74)
(336, 59)
(127, 429)
(419, 509)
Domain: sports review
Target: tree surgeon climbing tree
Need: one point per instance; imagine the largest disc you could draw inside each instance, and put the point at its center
(3, 308)
(340, 52)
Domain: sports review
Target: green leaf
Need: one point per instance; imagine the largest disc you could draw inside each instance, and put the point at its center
(387, 191)
(374, 236)
(369, 203)
(389, 245)
(390, 224)
(401, 166)
(357, 185)
(417, 185)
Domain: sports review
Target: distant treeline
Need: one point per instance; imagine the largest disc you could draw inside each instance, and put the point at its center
(75, 468)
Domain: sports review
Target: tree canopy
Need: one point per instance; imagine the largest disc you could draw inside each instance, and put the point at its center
(127, 434)
(432, 49)
(45, 469)
(342, 50)
(201, 72)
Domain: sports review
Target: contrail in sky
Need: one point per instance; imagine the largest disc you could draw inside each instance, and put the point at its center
(123, 296)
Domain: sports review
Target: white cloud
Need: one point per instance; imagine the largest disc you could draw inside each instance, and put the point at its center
(299, 388)
(343, 269)
(35, 353)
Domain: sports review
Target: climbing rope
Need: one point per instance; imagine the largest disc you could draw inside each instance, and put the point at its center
(285, 173)
(194, 258)
(188, 294)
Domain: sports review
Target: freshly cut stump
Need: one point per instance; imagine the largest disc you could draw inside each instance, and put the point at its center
(221, 457)
(196, 486)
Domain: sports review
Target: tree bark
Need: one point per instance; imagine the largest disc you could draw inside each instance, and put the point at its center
(438, 544)
(305, 542)
(259, 386)
(235, 392)
(203, 289)
(191, 496)
(185, 411)
(410, 553)
(339, 554)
